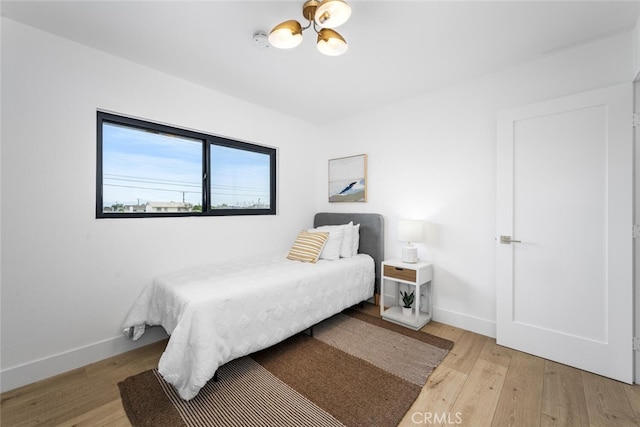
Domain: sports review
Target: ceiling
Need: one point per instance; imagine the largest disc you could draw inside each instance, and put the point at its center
(397, 49)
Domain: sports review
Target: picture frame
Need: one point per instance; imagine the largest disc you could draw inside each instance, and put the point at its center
(348, 179)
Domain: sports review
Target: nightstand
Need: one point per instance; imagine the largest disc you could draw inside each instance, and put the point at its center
(418, 276)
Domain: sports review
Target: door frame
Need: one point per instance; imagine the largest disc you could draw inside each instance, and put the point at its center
(636, 217)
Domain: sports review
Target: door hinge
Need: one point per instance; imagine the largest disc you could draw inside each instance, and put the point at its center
(636, 344)
(635, 121)
(635, 231)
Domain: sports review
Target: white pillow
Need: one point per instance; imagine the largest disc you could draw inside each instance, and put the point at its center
(346, 248)
(331, 250)
(350, 238)
(355, 241)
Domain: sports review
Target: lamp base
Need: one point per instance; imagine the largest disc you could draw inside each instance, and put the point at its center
(410, 254)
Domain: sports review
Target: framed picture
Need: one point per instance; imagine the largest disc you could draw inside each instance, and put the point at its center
(348, 179)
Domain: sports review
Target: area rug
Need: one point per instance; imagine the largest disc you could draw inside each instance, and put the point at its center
(356, 370)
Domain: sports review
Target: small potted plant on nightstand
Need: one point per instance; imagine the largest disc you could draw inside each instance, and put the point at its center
(407, 301)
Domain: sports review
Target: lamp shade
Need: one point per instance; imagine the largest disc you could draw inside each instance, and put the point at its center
(286, 35)
(332, 13)
(331, 43)
(409, 230)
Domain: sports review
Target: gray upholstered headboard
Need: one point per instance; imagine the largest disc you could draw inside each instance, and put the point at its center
(371, 234)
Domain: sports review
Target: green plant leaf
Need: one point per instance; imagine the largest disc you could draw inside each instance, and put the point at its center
(407, 298)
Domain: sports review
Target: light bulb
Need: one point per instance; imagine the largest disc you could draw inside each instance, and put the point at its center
(286, 35)
(332, 13)
(331, 43)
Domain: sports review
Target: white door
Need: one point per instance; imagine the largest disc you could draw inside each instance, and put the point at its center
(565, 191)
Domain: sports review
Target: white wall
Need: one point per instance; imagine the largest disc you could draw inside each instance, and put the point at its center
(433, 158)
(69, 279)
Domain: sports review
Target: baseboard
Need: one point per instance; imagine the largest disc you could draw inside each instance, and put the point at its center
(30, 372)
(464, 321)
(27, 373)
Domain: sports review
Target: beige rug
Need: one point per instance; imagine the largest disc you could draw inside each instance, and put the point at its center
(357, 370)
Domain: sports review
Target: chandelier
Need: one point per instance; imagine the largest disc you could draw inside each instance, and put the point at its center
(323, 15)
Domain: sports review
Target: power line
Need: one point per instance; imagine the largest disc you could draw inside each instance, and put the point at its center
(152, 189)
(153, 181)
(176, 183)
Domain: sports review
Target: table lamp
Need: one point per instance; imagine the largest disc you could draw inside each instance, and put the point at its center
(409, 231)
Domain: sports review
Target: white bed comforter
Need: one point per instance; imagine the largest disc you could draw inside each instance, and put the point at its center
(215, 314)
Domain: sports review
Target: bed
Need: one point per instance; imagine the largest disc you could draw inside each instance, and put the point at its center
(217, 313)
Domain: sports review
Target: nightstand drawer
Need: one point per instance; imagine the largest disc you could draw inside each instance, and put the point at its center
(400, 273)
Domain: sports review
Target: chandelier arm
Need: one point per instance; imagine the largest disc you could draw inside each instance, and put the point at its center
(304, 28)
(314, 26)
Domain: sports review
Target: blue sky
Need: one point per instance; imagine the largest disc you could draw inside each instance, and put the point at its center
(141, 166)
(238, 176)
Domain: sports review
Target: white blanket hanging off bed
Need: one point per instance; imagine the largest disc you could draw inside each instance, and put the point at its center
(215, 314)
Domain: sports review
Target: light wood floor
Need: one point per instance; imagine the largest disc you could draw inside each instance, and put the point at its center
(478, 384)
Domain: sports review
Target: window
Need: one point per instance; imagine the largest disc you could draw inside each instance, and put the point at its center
(148, 169)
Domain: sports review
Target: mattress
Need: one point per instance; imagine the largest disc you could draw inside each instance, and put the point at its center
(217, 313)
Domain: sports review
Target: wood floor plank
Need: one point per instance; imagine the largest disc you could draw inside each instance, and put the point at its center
(607, 402)
(633, 393)
(443, 331)
(479, 397)
(462, 357)
(38, 407)
(109, 414)
(66, 401)
(437, 397)
(494, 353)
(563, 400)
(41, 389)
(521, 396)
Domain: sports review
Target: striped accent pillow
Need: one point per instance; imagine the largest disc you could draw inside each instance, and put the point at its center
(307, 246)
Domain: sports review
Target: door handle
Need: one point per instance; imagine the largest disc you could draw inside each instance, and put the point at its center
(505, 240)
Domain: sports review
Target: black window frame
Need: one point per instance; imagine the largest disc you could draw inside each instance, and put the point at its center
(207, 141)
